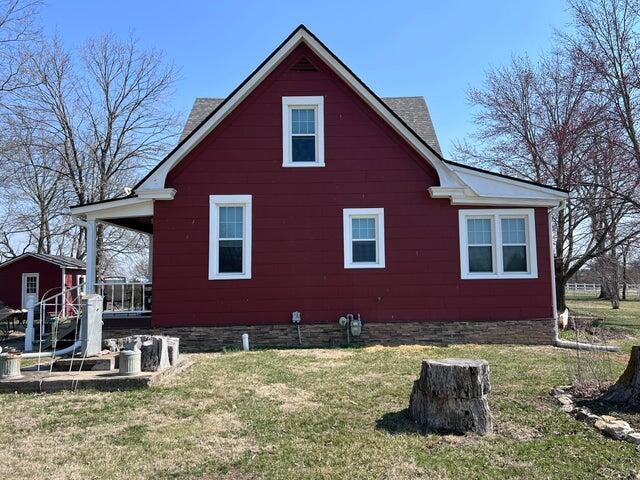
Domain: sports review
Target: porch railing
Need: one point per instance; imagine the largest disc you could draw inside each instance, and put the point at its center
(125, 297)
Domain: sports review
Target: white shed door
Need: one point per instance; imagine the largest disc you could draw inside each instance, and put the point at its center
(30, 287)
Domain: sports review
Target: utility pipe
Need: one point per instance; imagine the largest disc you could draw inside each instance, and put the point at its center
(52, 353)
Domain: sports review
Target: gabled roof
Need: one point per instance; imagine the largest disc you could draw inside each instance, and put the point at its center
(59, 260)
(413, 110)
(463, 186)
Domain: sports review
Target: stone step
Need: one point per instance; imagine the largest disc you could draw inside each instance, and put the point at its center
(103, 362)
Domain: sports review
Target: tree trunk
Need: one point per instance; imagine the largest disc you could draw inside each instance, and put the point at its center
(626, 390)
(561, 284)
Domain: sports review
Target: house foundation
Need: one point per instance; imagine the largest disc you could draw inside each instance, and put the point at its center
(323, 335)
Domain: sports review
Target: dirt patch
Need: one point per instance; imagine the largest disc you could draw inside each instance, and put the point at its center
(318, 353)
(290, 399)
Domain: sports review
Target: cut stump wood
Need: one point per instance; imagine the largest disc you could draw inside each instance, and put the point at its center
(626, 390)
(451, 396)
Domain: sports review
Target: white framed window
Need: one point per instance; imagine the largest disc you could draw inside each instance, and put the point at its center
(498, 243)
(303, 131)
(229, 237)
(363, 231)
(30, 287)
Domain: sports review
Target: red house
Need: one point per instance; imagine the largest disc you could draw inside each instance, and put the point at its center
(304, 193)
(37, 275)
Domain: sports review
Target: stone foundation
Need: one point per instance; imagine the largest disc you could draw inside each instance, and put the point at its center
(206, 339)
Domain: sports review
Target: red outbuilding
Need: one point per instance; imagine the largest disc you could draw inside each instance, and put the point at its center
(305, 196)
(38, 275)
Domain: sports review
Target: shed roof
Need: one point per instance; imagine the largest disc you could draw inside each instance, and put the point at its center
(59, 260)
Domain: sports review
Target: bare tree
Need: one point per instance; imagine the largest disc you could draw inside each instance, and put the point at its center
(17, 32)
(541, 122)
(606, 42)
(103, 115)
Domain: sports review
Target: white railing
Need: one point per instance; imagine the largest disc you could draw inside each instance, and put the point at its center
(633, 289)
(53, 310)
(125, 297)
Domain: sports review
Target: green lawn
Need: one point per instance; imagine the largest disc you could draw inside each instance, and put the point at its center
(627, 317)
(309, 414)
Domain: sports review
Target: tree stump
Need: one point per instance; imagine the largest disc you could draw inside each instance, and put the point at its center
(626, 390)
(451, 396)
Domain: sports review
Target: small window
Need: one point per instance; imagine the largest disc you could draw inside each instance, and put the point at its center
(303, 131)
(363, 238)
(498, 244)
(230, 237)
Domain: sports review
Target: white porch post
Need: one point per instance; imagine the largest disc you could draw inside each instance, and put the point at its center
(90, 284)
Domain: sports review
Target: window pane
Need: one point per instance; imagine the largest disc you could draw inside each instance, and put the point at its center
(364, 251)
(31, 284)
(363, 228)
(513, 230)
(303, 149)
(479, 231)
(303, 121)
(514, 259)
(480, 259)
(230, 222)
(230, 256)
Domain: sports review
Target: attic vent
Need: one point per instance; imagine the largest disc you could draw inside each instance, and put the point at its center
(303, 65)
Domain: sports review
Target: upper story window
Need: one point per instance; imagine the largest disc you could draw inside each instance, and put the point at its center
(363, 230)
(498, 244)
(229, 237)
(303, 131)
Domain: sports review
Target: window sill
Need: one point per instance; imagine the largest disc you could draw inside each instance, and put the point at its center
(231, 276)
(302, 165)
(499, 276)
(354, 266)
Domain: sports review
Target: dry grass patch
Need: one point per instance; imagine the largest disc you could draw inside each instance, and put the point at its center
(290, 399)
(320, 354)
(316, 367)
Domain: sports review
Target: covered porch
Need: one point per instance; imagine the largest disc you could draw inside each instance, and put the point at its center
(125, 303)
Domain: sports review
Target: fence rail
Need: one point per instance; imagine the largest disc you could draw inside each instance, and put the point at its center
(125, 297)
(633, 289)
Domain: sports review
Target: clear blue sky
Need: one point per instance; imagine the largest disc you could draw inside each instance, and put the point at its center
(432, 48)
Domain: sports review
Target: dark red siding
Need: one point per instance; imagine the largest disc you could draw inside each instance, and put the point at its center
(297, 258)
(11, 279)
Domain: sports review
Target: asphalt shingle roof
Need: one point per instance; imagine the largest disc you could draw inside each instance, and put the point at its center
(412, 110)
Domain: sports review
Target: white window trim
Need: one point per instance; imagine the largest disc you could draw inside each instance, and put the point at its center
(347, 215)
(24, 287)
(316, 103)
(496, 230)
(215, 202)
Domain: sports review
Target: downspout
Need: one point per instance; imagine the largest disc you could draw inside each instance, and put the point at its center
(558, 342)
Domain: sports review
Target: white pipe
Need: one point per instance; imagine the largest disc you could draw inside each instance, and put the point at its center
(585, 346)
(245, 342)
(58, 353)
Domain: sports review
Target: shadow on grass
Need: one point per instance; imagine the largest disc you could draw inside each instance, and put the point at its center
(398, 422)
(601, 407)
